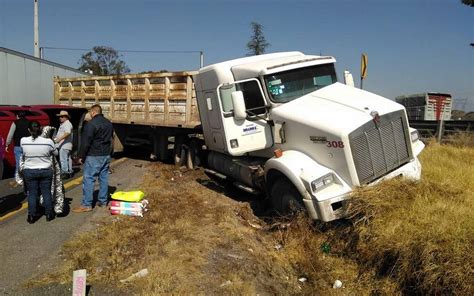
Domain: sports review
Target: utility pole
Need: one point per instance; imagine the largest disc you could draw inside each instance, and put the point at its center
(36, 30)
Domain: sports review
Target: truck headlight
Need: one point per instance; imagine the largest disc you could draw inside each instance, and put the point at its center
(322, 182)
(415, 136)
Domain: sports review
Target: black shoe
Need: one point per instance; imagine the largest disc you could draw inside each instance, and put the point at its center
(31, 219)
(101, 205)
(49, 217)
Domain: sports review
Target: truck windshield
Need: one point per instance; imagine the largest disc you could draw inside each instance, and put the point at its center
(289, 85)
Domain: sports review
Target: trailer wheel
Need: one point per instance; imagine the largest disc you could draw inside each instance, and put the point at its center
(192, 156)
(179, 151)
(285, 198)
(190, 159)
(163, 147)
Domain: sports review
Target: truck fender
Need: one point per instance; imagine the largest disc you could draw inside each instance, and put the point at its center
(299, 168)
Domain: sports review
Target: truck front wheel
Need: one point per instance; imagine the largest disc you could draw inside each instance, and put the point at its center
(285, 197)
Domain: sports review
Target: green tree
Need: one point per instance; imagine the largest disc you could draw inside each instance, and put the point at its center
(468, 2)
(103, 60)
(257, 44)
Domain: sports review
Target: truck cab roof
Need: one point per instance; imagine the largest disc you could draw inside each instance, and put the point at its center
(251, 59)
(278, 65)
(255, 66)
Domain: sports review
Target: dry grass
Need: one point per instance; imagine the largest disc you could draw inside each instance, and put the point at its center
(403, 238)
(461, 139)
(421, 234)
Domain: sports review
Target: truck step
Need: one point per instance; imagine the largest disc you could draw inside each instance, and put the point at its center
(246, 188)
(216, 174)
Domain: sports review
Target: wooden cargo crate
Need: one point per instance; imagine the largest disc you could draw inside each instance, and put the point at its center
(157, 99)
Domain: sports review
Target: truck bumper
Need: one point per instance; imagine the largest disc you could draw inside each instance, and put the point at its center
(333, 208)
(327, 210)
(411, 170)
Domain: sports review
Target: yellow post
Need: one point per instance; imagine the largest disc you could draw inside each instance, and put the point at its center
(363, 69)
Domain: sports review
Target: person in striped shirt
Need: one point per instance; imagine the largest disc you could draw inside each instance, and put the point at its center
(38, 171)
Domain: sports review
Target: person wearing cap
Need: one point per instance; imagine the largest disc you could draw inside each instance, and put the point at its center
(63, 141)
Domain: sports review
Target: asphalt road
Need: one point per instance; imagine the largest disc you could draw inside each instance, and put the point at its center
(28, 250)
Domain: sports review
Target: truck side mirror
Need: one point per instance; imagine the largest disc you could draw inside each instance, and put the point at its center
(348, 79)
(239, 105)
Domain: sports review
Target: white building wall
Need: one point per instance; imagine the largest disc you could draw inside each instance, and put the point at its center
(26, 80)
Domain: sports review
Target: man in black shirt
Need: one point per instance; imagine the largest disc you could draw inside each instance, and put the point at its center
(95, 155)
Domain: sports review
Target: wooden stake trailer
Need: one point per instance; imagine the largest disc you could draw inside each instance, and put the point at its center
(144, 108)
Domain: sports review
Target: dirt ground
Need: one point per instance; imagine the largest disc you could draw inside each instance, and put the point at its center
(200, 237)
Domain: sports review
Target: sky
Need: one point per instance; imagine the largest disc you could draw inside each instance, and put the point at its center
(413, 46)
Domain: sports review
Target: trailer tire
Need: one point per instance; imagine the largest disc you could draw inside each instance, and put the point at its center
(180, 157)
(163, 148)
(285, 198)
(179, 151)
(193, 159)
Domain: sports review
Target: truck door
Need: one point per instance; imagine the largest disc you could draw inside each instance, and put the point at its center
(250, 134)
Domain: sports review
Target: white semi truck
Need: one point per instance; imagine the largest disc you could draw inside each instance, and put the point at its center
(277, 123)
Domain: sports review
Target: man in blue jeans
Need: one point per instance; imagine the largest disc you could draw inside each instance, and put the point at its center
(18, 130)
(95, 155)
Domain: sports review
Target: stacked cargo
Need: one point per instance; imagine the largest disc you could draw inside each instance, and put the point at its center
(129, 203)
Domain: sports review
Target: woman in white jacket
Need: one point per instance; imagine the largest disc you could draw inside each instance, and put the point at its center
(37, 171)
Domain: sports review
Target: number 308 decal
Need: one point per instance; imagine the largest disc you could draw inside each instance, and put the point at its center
(335, 144)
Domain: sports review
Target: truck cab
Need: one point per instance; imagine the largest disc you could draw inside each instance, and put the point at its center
(282, 123)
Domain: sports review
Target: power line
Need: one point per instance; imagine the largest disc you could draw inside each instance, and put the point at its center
(128, 50)
(201, 53)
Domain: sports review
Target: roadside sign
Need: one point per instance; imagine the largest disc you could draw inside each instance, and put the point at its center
(79, 282)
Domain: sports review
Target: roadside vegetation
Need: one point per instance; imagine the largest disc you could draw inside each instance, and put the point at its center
(420, 234)
(401, 237)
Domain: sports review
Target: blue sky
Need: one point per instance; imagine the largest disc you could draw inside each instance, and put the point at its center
(413, 45)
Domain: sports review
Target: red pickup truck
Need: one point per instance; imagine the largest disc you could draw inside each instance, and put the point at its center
(45, 115)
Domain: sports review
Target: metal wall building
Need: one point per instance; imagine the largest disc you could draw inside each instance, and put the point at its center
(26, 80)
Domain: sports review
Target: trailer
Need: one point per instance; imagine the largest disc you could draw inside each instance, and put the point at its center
(278, 123)
(146, 109)
(427, 106)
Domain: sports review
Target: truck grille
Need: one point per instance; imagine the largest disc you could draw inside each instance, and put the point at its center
(379, 148)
